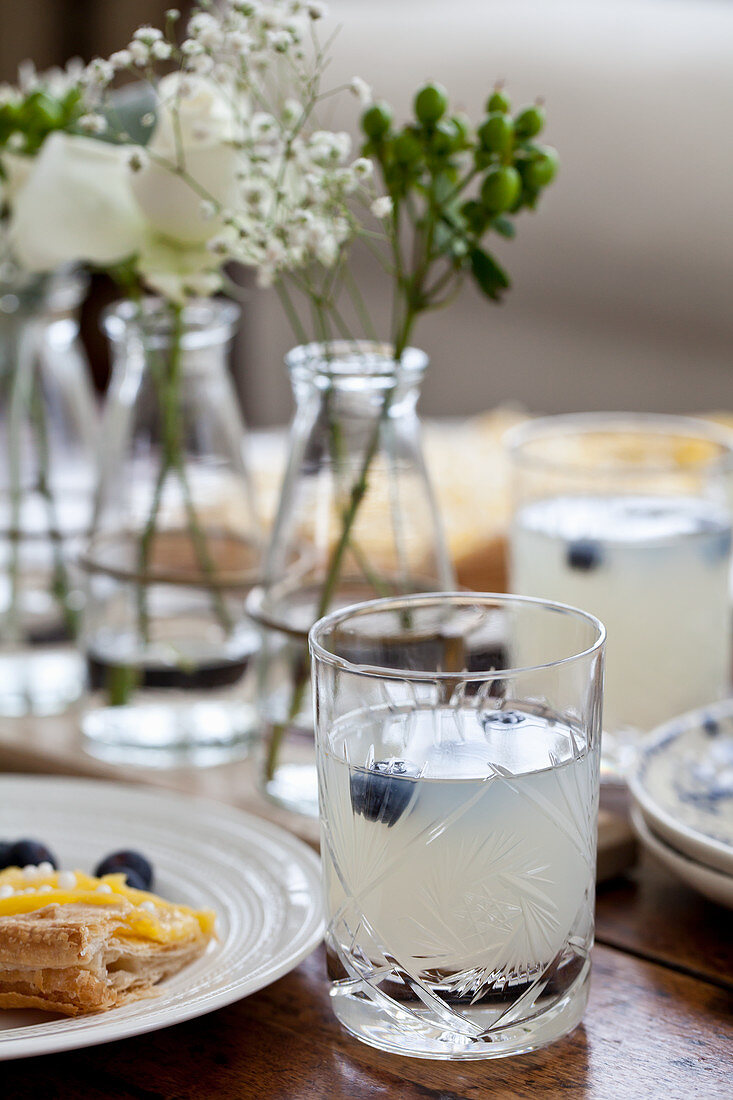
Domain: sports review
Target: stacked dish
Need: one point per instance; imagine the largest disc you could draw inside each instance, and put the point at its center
(682, 799)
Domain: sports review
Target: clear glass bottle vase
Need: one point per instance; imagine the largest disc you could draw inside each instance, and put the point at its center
(356, 519)
(175, 545)
(48, 436)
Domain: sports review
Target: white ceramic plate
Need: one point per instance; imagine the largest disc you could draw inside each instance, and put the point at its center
(263, 883)
(712, 884)
(682, 781)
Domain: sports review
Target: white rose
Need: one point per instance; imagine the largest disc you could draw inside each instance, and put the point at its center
(178, 270)
(195, 128)
(74, 206)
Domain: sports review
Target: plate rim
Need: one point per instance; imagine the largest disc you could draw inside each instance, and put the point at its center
(685, 869)
(12, 1048)
(711, 853)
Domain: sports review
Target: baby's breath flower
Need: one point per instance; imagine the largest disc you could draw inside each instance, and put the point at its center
(262, 124)
(240, 42)
(99, 72)
(362, 168)
(219, 246)
(292, 111)
(202, 64)
(139, 52)
(279, 40)
(327, 250)
(206, 29)
(316, 10)
(191, 47)
(381, 207)
(121, 59)
(161, 51)
(147, 35)
(361, 90)
(93, 124)
(247, 8)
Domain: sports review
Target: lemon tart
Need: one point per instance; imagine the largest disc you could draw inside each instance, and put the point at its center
(72, 943)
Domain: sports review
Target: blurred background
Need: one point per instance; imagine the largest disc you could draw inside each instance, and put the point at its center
(623, 279)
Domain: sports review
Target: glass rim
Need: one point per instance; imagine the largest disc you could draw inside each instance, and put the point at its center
(355, 359)
(659, 425)
(206, 321)
(319, 652)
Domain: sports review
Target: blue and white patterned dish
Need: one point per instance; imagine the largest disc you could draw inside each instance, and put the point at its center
(682, 782)
(711, 884)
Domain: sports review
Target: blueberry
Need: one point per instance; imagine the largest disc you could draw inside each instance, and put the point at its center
(710, 726)
(126, 861)
(133, 880)
(584, 555)
(383, 793)
(502, 718)
(5, 846)
(26, 853)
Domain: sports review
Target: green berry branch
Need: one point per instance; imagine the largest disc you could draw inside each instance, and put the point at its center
(449, 187)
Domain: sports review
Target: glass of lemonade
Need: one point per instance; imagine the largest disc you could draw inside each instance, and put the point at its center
(458, 748)
(629, 516)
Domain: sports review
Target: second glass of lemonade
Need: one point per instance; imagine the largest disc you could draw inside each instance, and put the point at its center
(629, 517)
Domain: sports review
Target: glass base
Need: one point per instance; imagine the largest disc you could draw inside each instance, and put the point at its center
(403, 1032)
(294, 787)
(40, 683)
(164, 735)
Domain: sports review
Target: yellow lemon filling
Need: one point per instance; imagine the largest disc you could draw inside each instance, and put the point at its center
(142, 915)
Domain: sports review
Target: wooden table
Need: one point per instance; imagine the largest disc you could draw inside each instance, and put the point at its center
(659, 1025)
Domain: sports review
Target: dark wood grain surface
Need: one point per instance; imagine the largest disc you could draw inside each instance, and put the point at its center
(659, 1025)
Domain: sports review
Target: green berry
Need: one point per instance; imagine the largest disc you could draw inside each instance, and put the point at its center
(462, 128)
(498, 101)
(497, 133)
(542, 169)
(482, 158)
(443, 139)
(431, 103)
(500, 189)
(407, 148)
(376, 121)
(529, 121)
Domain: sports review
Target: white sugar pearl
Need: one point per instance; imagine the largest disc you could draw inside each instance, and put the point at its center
(66, 880)
(30, 871)
(104, 888)
(45, 889)
(45, 868)
(148, 906)
(6, 892)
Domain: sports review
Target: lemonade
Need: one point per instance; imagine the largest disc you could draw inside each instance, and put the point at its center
(459, 853)
(655, 570)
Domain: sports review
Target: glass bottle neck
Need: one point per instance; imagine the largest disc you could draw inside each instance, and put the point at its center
(357, 379)
(199, 334)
